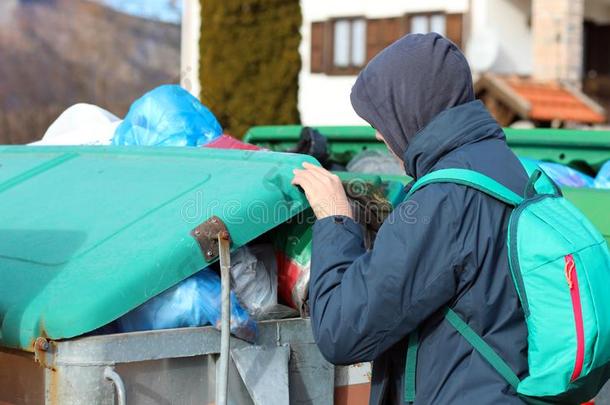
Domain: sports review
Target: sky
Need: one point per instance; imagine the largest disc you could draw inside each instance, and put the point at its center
(164, 10)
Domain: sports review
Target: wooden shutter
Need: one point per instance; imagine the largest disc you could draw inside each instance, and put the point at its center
(381, 32)
(317, 47)
(454, 28)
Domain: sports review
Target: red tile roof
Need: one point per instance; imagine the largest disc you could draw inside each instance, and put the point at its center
(551, 101)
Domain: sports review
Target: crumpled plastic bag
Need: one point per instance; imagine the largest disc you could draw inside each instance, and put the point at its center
(375, 162)
(602, 180)
(194, 301)
(167, 116)
(292, 242)
(566, 176)
(81, 124)
(562, 175)
(254, 278)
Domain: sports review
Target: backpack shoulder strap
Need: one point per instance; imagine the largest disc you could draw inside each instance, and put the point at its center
(472, 337)
(482, 347)
(472, 179)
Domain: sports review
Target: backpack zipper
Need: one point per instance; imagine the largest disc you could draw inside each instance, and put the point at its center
(572, 278)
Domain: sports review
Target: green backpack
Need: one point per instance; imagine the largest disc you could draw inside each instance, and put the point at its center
(560, 266)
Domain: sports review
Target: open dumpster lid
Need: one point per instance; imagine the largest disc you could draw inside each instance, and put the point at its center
(89, 233)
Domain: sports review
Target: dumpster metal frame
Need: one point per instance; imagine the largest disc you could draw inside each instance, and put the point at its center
(74, 371)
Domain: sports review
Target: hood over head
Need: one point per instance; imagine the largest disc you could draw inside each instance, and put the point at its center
(410, 82)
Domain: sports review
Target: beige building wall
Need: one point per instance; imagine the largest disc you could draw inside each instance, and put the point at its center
(189, 52)
(557, 31)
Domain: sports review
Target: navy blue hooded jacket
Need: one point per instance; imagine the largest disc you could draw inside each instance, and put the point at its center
(445, 246)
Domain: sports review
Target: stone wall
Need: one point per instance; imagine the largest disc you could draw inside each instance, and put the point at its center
(557, 28)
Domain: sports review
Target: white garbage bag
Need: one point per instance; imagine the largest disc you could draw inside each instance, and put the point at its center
(81, 124)
(254, 278)
(375, 162)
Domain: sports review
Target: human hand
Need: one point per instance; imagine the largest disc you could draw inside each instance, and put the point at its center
(323, 190)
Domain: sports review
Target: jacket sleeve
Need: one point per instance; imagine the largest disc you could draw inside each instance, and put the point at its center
(363, 302)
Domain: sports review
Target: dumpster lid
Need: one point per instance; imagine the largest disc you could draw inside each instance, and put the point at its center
(89, 233)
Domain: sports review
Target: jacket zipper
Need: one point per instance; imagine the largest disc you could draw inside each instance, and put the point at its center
(572, 278)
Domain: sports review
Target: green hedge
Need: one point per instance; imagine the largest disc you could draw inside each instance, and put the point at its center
(250, 62)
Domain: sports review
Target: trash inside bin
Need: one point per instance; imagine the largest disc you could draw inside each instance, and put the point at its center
(196, 301)
(369, 202)
(602, 180)
(564, 175)
(193, 302)
(254, 278)
(292, 242)
(312, 143)
(167, 116)
(375, 162)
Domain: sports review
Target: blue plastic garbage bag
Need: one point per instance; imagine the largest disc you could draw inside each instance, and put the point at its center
(564, 175)
(167, 116)
(602, 180)
(193, 302)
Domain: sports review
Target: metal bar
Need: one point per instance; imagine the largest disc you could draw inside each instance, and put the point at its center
(105, 350)
(225, 330)
(117, 381)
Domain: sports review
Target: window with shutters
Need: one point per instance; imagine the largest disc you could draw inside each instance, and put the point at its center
(344, 45)
(348, 49)
(339, 46)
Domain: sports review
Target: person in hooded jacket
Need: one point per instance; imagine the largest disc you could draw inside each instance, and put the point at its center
(444, 247)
